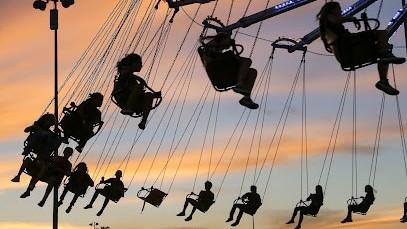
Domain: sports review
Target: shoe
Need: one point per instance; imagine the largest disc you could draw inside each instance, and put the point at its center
(25, 194)
(290, 222)
(68, 209)
(234, 224)
(60, 203)
(142, 125)
(181, 214)
(297, 227)
(188, 218)
(127, 112)
(16, 179)
(384, 86)
(79, 149)
(88, 206)
(248, 102)
(229, 219)
(99, 213)
(346, 220)
(390, 58)
(41, 203)
(241, 90)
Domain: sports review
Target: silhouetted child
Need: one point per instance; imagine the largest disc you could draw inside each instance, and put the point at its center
(80, 123)
(113, 190)
(78, 183)
(363, 206)
(59, 168)
(338, 41)
(219, 49)
(311, 209)
(130, 90)
(204, 201)
(251, 202)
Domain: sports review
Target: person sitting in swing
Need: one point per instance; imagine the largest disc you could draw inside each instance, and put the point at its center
(130, 89)
(88, 116)
(53, 171)
(312, 209)
(363, 206)
(42, 142)
(337, 39)
(113, 190)
(59, 168)
(218, 47)
(79, 181)
(251, 202)
(204, 201)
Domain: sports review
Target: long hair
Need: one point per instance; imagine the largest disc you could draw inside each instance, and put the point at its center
(128, 60)
(322, 16)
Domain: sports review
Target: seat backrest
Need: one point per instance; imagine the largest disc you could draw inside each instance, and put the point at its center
(252, 208)
(155, 197)
(204, 206)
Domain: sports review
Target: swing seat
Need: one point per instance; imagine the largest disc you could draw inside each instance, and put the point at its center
(313, 211)
(41, 143)
(120, 99)
(32, 168)
(222, 70)
(77, 187)
(72, 125)
(203, 206)
(152, 196)
(353, 201)
(357, 54)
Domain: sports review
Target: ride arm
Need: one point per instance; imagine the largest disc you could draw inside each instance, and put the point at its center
(398, 19)
(174, 4)
(262, 15)
(348, 12)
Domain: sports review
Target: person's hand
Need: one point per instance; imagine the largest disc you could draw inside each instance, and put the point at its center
(157, 94)
(356, 22)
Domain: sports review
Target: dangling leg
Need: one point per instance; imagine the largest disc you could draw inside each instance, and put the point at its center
(300, 220)
(239, 217)
(148, 99)
(88, 133)
(294, 214)
(50, 186)
(249, 81)
(34, 179)
(94, 197)
(62, 197)
(386, 56)
(232, 211)
(383, 83)
(243, 71)
(404, 218)
(73, 201)
(20, 171)
(349, 215)
(182, 213)
(194, 204)
(103, 207)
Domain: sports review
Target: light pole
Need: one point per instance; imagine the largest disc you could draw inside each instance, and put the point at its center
(42, 5)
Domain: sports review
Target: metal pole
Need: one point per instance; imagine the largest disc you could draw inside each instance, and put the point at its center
(403, 2)
(54, 27)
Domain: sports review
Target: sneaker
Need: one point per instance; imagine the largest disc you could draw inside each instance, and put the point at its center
(234, 224)
(298, 227)
(188, 218)
(41, 203)
(60, 203)
(384, 86)
(88, 206)
(16, 179)
(68, 209)
(25, 194)
(248, 102)
(99, 213)
(79, 149)
(241, 90)
(229, 219)
(290, 222)
(346, 220)
(142, 125)
(181, 214)
(390, 58)
(127, 112)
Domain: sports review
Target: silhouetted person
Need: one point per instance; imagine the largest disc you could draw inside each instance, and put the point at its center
(312, 209)
(53, 172)
(204, 201)
(81, 122)
(251, 202)
(59, 168)
(78, 183)
(363, 207)
(42, 142)
(337, 40)
(219, 49)
(130, 90)
(404, 218)
(113, 190)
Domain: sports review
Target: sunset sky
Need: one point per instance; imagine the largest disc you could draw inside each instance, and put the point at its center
(26, 69)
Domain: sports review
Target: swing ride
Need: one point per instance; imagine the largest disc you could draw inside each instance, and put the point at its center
(108, 67)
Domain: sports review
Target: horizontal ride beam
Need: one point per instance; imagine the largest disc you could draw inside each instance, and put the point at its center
(398, 19)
